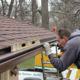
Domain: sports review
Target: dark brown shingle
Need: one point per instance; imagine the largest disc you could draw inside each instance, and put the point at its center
(14, 31)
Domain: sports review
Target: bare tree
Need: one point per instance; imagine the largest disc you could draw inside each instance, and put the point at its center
(21, 9)
(10, 8)
(3, 7)
(34, 11)
(65, 12)
(16, 9)
(45, 17)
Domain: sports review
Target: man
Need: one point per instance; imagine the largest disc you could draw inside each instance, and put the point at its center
(71, 46)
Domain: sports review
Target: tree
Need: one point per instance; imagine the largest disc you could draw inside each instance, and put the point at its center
(34, 11)
(16, 8)
(4, 2)
(45, 16)
(21, 9)
(10, 8)
(65, 12)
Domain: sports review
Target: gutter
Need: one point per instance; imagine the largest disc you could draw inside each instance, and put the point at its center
(10, 60)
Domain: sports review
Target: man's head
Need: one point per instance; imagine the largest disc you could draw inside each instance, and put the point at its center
(62, 37)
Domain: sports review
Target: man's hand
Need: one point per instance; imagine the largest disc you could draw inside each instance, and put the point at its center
(47, 48)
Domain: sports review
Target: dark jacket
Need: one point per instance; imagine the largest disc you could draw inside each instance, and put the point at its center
(71, 53)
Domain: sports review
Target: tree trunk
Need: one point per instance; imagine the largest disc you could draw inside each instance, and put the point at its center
(45, 16)
(15, 9)
(34, 10)
(3, 7)
(21, 9)
(10, 8)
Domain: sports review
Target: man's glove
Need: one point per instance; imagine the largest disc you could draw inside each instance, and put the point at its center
(47, 48)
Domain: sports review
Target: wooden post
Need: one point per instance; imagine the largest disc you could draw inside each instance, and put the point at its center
(4, 75)
(0, 76)
(7, 76)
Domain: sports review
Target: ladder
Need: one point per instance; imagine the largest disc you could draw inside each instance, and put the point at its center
(58, 75)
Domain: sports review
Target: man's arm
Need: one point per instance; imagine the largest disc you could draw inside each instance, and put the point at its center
(64, 61)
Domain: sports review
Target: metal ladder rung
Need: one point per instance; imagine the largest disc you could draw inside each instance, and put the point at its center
(45, 72)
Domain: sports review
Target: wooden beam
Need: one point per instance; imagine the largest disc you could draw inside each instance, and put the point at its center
(8, 64)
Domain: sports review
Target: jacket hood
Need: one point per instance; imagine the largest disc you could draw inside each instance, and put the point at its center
(75, 33)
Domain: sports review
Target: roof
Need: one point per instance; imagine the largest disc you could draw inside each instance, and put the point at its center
(14, 31)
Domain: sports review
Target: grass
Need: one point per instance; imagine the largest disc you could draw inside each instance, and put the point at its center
(28, 63)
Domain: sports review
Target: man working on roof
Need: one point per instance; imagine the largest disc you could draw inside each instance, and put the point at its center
(71, 47)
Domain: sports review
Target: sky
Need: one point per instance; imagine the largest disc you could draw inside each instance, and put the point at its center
(8, 1)
(39, 2)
